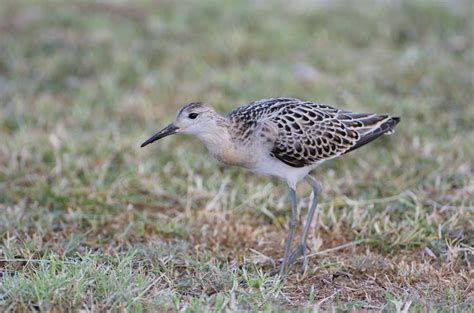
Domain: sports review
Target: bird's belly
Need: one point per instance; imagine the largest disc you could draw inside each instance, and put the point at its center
(270, 166)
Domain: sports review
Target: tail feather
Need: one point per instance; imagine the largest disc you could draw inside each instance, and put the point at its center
(373, 127)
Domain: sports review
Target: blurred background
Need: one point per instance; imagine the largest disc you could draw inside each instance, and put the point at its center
(83, 83)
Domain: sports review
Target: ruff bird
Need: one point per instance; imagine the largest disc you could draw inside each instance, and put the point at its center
(281, 137)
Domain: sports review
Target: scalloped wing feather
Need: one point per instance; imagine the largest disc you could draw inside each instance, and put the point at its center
(308, 132)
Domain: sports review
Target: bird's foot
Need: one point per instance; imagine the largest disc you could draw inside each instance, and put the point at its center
(300, 250)
(278, 271)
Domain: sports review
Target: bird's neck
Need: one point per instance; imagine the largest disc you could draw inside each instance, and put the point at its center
(220, 144)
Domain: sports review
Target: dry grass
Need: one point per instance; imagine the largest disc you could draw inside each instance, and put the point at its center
(89, 221)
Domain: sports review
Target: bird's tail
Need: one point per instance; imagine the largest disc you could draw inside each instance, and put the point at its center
(370, 127)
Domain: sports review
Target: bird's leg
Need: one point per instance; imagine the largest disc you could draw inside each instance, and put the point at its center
(291, 231)
(302, 248)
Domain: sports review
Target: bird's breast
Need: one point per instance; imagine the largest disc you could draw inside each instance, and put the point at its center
(237, 156)
(224, 149)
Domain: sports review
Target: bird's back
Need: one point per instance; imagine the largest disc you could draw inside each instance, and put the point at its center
(307, 132)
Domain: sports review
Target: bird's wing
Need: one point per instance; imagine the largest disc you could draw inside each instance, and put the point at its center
(309, 132)
(368, 126)
(261, 109)
(251, 119)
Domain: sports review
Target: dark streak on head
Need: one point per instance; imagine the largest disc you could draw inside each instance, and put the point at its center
(191, 105)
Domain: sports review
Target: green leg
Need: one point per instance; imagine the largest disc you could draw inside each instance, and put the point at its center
(291, 231)
(301, 249)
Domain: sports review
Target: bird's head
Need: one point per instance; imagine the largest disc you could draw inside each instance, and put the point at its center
(195, 118)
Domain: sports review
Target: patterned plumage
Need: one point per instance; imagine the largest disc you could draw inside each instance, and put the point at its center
(309, 132)
(281, 137)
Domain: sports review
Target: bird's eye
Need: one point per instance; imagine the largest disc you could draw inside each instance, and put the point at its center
(192, 115)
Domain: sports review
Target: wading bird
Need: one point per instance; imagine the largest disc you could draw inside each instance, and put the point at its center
(281, 137)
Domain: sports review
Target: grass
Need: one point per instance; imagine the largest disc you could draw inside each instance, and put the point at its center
(88, 221)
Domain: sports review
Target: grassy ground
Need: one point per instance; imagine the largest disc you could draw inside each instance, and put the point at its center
(90, 221)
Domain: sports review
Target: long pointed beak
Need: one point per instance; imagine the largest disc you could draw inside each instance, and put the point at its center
(168, 130)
